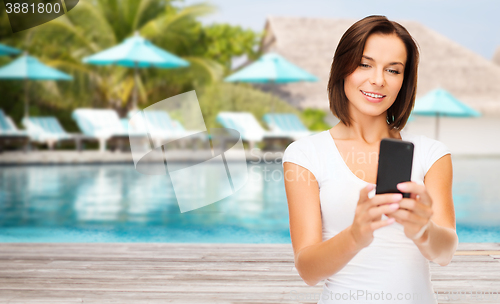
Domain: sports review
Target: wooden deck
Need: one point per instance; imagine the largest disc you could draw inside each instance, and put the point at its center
(196, 273)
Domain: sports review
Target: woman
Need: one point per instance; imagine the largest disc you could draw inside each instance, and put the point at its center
(369, 248)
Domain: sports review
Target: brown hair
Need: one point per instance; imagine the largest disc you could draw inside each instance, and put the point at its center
(348, 56)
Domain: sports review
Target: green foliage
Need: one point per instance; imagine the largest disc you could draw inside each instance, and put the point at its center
(221, 42)
(95, 25)
(314, 119)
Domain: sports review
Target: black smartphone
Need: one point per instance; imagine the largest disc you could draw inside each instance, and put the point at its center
(395, 161)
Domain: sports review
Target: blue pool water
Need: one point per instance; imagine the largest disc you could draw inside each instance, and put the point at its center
(114, 203)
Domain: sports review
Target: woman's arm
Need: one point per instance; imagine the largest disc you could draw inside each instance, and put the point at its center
(440, 241)
(315, 260)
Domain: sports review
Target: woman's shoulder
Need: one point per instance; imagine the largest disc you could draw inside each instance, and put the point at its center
(309, 143)
(409, 136)
(422, 140)
(307, 152)
(429, 149)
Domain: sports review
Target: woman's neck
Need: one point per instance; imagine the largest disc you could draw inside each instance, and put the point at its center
(368, 133)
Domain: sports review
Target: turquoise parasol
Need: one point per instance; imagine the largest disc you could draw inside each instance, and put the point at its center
(29, 68)
(440, 102)
(136, 52)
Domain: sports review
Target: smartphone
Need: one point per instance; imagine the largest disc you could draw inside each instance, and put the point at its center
(395, 161)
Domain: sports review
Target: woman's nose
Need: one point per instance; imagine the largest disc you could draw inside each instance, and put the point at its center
(377, 78)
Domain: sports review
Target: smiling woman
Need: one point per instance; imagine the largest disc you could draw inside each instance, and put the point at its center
(369, 248)
(378, 70)
(375, 58)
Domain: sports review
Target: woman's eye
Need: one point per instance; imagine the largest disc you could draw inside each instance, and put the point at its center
(364, 65)
(394, 71)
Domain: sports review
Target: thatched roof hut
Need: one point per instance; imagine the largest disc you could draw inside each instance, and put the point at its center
(311, 42)
(496, 56)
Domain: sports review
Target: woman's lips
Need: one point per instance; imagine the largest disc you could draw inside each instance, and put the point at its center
(371, 99)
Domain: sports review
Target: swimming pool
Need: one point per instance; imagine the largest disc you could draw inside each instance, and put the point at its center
(114, 203)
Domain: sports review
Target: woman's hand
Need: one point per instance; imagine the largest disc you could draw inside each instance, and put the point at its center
(368, 216)
(415, 212)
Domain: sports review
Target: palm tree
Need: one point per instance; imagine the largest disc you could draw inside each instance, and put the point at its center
(94, 25)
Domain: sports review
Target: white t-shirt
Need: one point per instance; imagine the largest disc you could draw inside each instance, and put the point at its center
(392, 263)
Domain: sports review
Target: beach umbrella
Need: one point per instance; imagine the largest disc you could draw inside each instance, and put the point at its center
(440, 102)
(136, 52)
(8, 50)
(271, 68)
(29, 68)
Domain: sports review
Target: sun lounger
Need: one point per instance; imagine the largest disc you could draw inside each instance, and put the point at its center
(49, 131)
(249, 128)
(160, 127)
(287, 124)
(103, 125)
(10, 134)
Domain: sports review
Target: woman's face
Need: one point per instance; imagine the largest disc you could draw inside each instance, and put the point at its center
(379, 74)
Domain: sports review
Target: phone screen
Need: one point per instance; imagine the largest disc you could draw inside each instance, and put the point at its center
(394, 165)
